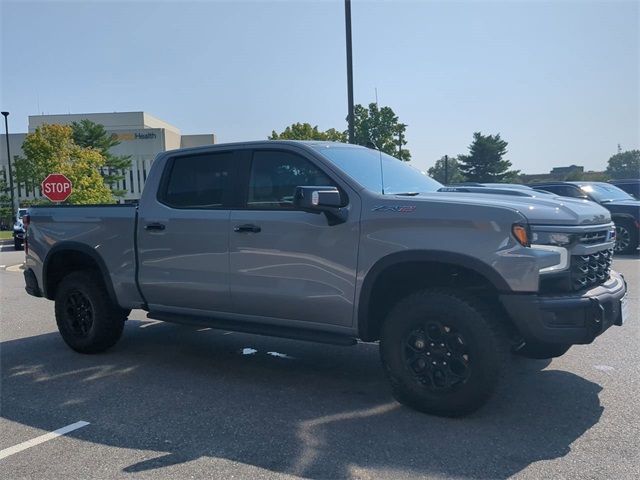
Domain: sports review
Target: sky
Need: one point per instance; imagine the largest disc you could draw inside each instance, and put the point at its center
(558, 80)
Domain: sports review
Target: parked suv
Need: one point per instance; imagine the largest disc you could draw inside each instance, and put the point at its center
(629, 185)
(331, 243)
(625, 210)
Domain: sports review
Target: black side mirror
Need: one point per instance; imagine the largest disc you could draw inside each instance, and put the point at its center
(325, 200)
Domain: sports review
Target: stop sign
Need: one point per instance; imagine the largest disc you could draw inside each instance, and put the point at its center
(56, 187)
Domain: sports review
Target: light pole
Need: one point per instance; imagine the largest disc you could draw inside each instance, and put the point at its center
(347, 20)
(6, 137)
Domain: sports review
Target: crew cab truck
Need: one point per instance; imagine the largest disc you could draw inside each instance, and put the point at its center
(333, 243)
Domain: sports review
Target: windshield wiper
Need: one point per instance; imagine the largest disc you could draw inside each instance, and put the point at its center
(407, 194)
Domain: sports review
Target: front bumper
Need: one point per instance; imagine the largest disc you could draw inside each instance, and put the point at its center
(576, 318)
(18, 235)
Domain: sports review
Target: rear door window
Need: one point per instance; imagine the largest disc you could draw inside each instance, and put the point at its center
(199, 181)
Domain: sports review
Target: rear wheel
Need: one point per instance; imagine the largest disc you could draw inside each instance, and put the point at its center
(87, 319)
(443, 353)
(542, 350)
(626, 237)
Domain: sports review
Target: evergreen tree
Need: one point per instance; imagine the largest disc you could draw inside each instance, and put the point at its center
(485, 162)
(88, 134)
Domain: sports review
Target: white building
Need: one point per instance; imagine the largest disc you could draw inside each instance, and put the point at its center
(141, 136)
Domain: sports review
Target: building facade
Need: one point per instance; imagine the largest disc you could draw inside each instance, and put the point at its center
(141, 136)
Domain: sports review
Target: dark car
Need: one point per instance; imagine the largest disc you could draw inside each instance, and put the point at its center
(625, 210)
(629, 185)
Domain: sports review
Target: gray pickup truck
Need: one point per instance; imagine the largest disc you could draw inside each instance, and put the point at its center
(333, 243)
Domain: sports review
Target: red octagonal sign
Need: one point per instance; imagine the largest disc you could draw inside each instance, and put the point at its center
(56, 187)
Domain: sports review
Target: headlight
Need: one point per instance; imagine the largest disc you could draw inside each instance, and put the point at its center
(551, 238)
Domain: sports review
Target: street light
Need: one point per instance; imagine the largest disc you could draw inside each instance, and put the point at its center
(347, 21)
(6, 137)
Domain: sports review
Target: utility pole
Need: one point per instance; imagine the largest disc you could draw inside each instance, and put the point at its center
(350, 119)
(6, 137)
(446, 169)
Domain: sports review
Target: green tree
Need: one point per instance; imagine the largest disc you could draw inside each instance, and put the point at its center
(304, 131)
(381, 129)
(89, 134)
(453, 175)
(6, 210)
(624, 165)
(51, 149)
(485, 162)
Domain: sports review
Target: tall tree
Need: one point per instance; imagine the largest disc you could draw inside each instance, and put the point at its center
(6, 210)
(624, 164)
(485, 162)
(453, 174)
(89, 134)
(304, 131)
(381, 129)
(51, 149)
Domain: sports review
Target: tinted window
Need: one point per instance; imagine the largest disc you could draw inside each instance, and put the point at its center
(275, 176)
(198, 181)
(604, 192)
(564, 191)
(378, 172)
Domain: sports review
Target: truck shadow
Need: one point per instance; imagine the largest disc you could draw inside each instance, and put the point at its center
(290, 407)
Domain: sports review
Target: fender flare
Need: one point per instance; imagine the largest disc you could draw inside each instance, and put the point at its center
(439, 256)
(86, 250)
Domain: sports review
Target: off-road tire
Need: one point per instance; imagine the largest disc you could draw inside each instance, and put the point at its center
(107, 319)
(542, 350)
(484, 336)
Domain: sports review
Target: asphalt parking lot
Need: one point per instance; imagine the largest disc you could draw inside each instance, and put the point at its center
(179, 402)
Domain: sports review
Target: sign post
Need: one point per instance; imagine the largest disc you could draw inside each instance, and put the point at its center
(56, 187)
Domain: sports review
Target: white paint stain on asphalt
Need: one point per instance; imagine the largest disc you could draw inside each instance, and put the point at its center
(41, 439)
(248, 351)
(604, 368)
(151, 323)
(280, 355)
(15, 268)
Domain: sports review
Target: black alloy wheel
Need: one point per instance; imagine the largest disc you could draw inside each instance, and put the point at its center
(79, 311)
(437, 356)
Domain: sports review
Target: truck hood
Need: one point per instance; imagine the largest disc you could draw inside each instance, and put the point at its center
(537, 210)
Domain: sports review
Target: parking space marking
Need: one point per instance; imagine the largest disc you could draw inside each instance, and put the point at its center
(41, 439)
(15, 268)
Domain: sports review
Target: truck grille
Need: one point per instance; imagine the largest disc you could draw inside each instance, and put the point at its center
(594, 237)
(590, 270)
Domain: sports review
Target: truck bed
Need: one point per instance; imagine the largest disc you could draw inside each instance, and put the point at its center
(105, 230)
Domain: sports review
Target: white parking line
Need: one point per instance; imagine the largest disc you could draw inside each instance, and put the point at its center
(41, 439)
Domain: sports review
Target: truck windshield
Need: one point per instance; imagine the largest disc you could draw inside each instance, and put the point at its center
(363, 165)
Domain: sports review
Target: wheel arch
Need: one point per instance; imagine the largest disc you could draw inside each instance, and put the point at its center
(406, 266)
(68, 257)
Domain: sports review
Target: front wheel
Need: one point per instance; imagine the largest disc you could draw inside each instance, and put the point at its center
(17, 244)
(443, 353)
(87, 319)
